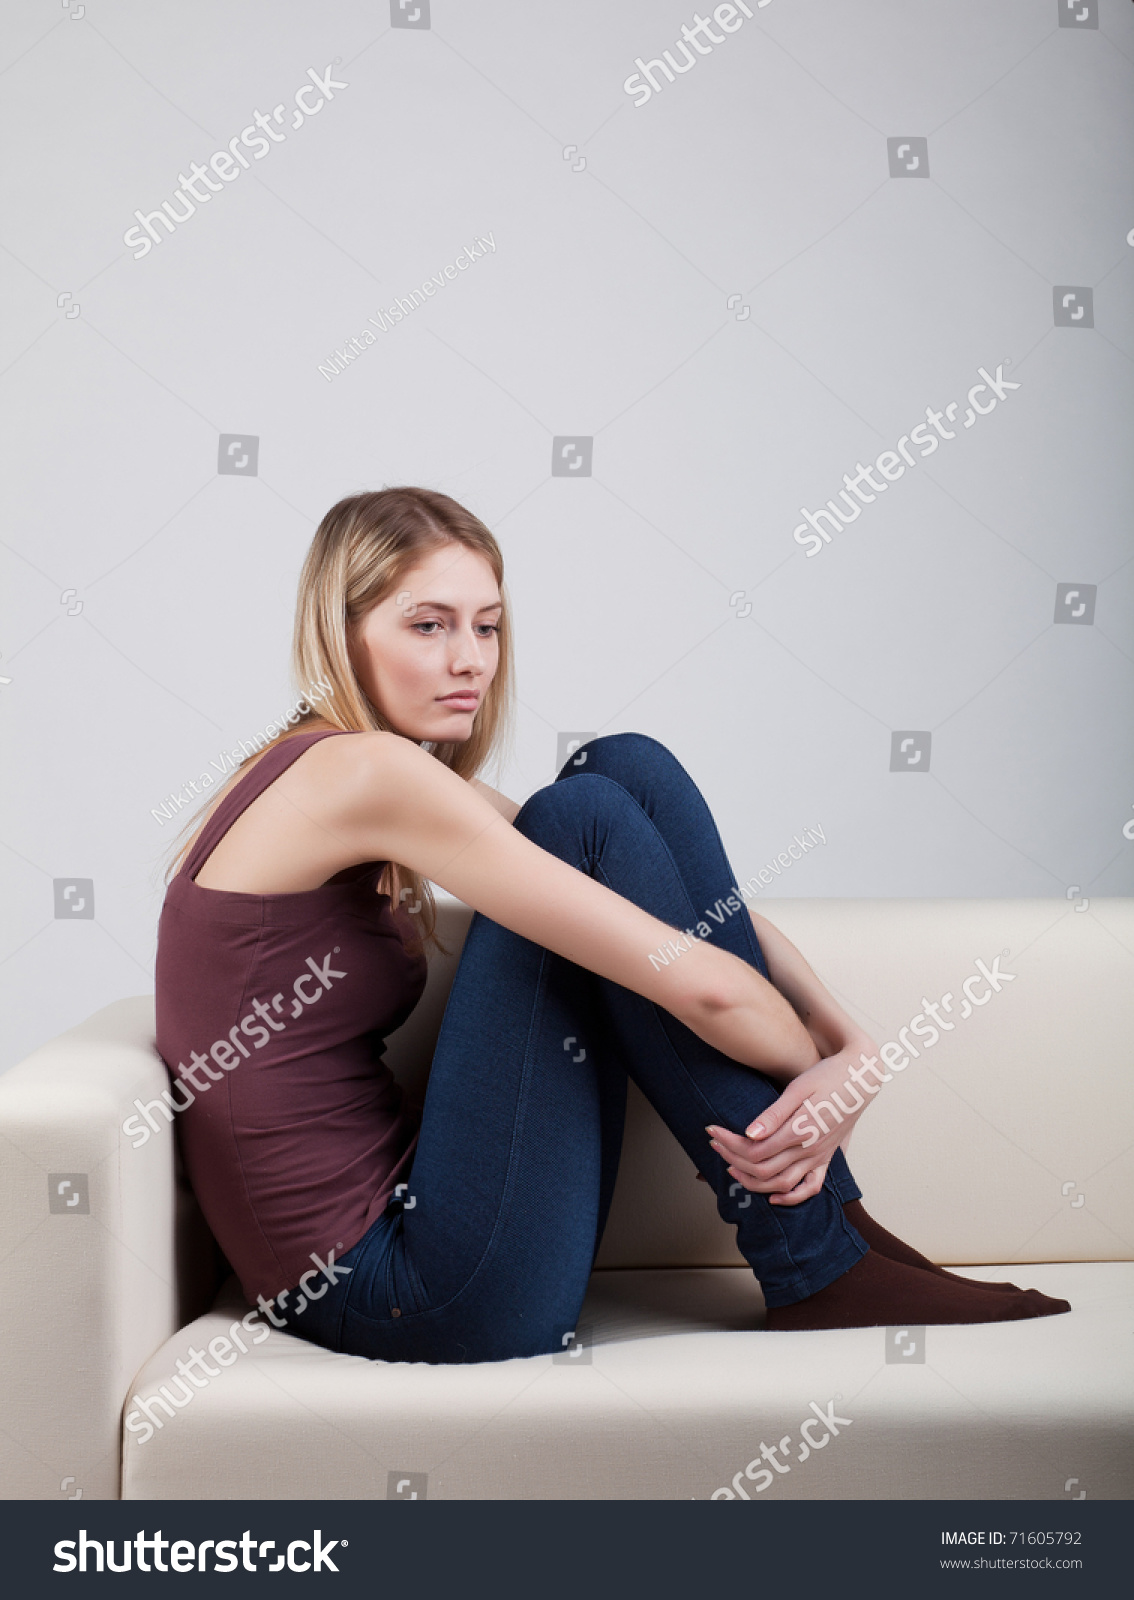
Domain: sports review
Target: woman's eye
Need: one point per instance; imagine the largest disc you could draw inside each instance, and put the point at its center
(485, 627)
(426, 629)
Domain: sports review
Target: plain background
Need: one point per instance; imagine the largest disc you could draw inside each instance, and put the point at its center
(724, 289)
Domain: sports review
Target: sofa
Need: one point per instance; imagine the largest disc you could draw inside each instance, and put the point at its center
(1002, 1148)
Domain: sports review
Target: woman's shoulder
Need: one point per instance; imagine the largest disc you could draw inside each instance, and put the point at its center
(361, 768)
(365, 752)
(321, 745)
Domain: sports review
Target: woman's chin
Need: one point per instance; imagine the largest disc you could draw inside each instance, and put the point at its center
(452, 727)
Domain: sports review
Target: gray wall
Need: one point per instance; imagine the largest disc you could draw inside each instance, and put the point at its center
(704, 309)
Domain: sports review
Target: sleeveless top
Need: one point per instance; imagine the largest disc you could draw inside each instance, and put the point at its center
(271, 1015)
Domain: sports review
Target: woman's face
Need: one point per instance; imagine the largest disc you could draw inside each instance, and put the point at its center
(427, 653)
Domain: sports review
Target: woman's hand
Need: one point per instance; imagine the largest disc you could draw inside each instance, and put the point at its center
(785, 1152)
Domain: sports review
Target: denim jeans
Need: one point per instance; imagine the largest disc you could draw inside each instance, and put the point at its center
(488, 1255)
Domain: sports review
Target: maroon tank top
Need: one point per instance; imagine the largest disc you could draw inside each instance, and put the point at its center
(271, 1015)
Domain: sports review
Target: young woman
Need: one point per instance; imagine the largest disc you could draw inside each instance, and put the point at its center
(292, 941)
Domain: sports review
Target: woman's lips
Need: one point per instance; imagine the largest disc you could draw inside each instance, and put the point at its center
(460, 702)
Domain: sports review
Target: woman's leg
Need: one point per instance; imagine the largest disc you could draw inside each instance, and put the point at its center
(668, 796)
(491, 1255)
(653, 776)
(522, 1118)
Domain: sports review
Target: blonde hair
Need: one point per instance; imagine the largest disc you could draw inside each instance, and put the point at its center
(361, 550)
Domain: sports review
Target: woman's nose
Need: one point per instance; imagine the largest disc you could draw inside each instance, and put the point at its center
(468, 652)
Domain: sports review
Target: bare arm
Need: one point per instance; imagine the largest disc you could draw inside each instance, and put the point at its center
(508, 809)
(825, 1020)
(386, 799)
(781, 1153)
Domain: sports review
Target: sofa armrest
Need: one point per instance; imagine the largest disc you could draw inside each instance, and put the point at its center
(104, 1249)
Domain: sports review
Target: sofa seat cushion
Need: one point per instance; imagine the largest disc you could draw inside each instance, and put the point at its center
(675, 1389)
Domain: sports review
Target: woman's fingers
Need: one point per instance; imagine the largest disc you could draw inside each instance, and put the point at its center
(759, 1161)
(768, 1137)
(784, 1138)
(780, 1183)
(810, 1185)
(764, 1171)
(779, 1166)
(775, 1117)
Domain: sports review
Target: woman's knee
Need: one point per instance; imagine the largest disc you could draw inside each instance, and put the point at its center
(559, 809)
(615, 753)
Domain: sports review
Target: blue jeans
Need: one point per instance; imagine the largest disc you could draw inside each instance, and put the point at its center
(488, 1255)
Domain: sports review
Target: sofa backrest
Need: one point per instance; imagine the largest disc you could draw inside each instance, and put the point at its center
(1001, 1142)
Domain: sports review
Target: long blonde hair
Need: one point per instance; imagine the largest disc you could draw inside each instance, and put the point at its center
(361, 550)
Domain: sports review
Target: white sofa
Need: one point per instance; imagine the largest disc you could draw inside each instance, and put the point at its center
(1004, 1145)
